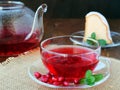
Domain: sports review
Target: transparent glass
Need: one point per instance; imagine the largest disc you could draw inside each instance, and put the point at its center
(103, 67)
(20, 28)
(63, 53)
(70, 57)
(115, 37)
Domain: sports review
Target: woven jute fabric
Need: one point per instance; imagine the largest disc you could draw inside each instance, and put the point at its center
(14, 74)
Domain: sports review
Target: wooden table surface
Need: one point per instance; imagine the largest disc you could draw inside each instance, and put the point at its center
(55, 27)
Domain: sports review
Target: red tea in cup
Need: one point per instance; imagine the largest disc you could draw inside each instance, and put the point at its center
(71, 66)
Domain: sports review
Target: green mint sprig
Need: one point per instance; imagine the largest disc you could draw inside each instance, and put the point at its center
(102, 42)
(90, 79)
(93, 35)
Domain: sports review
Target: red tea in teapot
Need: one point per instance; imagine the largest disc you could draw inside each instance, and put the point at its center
(12, 44)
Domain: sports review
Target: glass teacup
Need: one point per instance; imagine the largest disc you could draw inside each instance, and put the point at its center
(69, 56)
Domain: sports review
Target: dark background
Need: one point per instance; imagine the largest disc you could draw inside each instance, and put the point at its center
(76, 8)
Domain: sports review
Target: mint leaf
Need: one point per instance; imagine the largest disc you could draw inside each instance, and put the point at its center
(93, 35)
(90, 80)
(88, 74)
(98, 77)
(89, 42)
(102, 42)
(83, 81)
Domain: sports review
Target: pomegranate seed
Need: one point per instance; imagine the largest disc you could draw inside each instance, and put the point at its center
(56, 83)
(44, 78)
(76, 81)
(48, 76)
(50, 81)
(37, 75)
(60, 79)
(54, 78)
(65, 83)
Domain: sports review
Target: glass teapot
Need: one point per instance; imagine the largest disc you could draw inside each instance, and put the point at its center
(20, 29)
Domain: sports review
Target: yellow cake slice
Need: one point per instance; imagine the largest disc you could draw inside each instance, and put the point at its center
(97, 23)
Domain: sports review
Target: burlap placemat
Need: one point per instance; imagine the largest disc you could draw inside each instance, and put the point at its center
(14, 75)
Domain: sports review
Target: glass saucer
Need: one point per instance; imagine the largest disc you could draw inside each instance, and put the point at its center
(103, 67)
(115, 37)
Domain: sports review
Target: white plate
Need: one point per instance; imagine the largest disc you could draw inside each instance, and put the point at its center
(102, 67)
(115, 37)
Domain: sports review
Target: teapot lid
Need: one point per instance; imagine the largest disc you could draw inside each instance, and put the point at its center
(6, 5)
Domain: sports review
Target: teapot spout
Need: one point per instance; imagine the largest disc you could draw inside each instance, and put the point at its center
(43, 7)
(38, 21)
